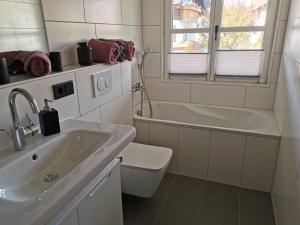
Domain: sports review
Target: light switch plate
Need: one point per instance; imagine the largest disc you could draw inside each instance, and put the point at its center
(102, 83)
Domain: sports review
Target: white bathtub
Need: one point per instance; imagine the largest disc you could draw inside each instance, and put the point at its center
(223, 144)
(251, 121)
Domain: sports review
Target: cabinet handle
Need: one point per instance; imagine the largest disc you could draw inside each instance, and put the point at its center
(100, 184)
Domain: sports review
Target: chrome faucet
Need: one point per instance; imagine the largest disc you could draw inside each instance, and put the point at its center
(20, 133)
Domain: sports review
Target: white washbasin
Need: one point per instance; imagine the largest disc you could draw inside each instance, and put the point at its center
(32, 175)
(37, 182)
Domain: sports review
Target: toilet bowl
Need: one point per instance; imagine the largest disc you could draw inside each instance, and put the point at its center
(143, 168)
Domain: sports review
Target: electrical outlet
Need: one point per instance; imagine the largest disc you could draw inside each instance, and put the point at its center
(64, 89)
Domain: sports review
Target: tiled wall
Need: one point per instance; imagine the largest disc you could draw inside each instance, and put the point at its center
(114, 107)
(67, 22)
(286, 190)
(226, 157)
(71, 21)
(214, 94)
(21, 26)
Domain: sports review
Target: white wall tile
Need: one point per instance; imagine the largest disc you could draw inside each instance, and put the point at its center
(133, 33)
(259, 163)
(126, 71)
(87, 99)
(63, 10)
(280, 36)
(165, 136)
(153, 65)
(31, 39)
(103, 11)
(131, 12)
(193, 152)
(218, 95)
(151, 11)
(284, 11)
(226, 157)
(63, 37)
(142, 132)
(275, 68)
(93, 116)
(151, 38)
(168, 91)
(8, 40)
(260, 97)
(118, 111)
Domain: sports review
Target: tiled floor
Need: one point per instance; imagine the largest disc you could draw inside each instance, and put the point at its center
(187, 201)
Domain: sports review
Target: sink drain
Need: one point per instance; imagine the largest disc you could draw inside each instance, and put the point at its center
(50, 178)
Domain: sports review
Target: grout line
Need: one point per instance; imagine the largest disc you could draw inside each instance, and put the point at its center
(165, 199)
(83, 7)
(239, 210)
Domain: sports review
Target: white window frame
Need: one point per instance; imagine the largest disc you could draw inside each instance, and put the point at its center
(215, 20)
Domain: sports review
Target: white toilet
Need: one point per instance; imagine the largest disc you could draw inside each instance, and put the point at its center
(143, 168)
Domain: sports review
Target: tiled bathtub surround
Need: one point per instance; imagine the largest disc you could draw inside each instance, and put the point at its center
(223, 156)
(240, 95)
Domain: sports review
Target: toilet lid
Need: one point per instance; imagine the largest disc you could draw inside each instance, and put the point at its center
(145, 157)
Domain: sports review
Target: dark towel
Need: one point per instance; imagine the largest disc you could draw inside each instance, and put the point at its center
(122, 46)
(130, 50)
(105, 51)
(34, 63)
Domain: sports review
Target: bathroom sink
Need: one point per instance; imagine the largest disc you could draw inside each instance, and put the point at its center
(32, 175)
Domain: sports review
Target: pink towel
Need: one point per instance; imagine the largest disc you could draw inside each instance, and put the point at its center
(130, 50)
(104, 51)
(34, 63)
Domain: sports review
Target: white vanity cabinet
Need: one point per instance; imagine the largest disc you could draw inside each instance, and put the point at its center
(103, 206)
(99, 203)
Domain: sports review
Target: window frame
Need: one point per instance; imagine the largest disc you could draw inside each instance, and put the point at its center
(215, 20)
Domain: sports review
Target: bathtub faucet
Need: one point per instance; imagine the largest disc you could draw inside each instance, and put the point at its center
(138, 87)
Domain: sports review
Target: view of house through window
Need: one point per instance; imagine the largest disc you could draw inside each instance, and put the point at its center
(218, 38)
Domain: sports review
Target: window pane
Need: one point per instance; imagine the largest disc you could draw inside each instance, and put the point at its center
(239, 63)
(238, 13)
(190, 43)
(190, 13)
(188, 63)
(241, 40)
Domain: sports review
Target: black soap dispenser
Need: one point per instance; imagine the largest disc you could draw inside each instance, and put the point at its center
(49, 120)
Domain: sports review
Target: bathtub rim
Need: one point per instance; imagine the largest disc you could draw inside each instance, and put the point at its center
(275, 134)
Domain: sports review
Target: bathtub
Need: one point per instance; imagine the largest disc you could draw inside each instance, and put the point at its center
(224, 144)
(251, 121)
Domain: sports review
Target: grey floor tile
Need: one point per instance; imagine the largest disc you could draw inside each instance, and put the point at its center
(190, 183)
(181, 208)
(144, 211)
(256, 208)
(209, 216)
(222, 197)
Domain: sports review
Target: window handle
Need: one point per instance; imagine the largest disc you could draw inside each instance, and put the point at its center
(216, 32)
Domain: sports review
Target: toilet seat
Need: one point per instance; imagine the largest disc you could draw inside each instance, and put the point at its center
(145, 157)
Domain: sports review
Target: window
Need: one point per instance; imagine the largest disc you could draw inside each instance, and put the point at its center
(219, 39)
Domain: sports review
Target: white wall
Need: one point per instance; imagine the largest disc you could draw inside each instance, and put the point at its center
(286, 190)
(213, 94)
(21, 26)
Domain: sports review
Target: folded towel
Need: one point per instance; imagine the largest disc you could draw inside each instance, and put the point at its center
(122, 46)
(34, 63)
(105, 51)
(130, 50)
